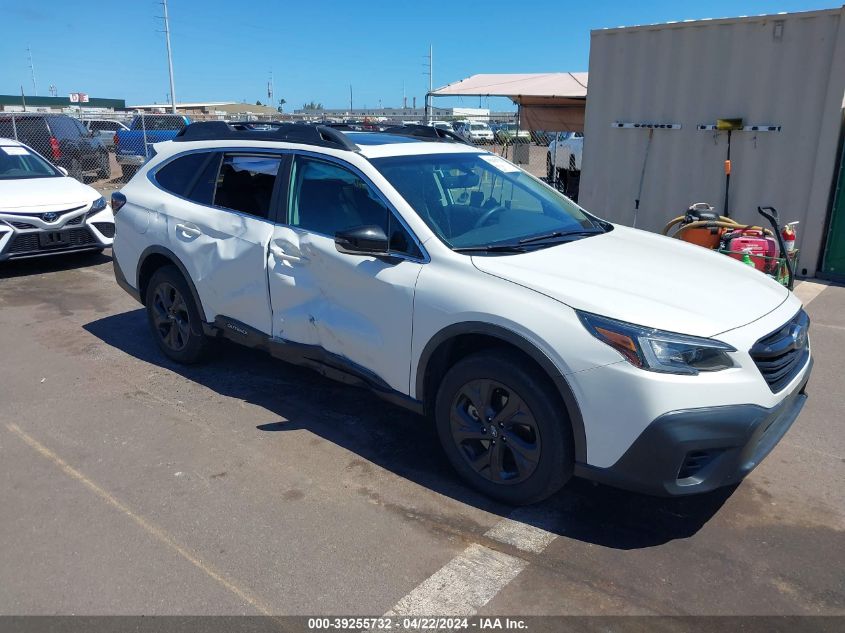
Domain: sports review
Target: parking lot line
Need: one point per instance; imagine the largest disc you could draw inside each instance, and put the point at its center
(153, 530)
(523, 530)
(471, 579)
(463, 585)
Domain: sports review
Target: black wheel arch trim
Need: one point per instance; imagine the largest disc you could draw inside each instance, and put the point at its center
(166, 252)
(508, 336)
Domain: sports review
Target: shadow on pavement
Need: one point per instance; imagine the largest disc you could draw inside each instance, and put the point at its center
(407, 445)
(52, 263)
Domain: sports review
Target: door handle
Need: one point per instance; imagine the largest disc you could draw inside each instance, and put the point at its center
(189, 230)
(280, 253)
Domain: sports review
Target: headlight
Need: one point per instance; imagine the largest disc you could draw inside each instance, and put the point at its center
(656, 350)
(98, 205)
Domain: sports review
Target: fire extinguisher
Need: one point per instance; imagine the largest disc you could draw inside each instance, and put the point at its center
(788, 235)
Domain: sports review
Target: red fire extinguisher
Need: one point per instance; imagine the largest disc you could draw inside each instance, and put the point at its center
(788, 235)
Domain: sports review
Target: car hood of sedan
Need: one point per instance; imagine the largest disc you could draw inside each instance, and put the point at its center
(646, 279)
(24, 194)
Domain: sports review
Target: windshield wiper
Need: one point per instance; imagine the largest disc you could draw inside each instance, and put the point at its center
(558, 234)
(491, 248)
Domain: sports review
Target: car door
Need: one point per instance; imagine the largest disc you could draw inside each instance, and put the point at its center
(220, 226)
(357, 308)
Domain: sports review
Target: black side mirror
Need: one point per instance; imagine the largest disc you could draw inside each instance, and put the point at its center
(362, 240)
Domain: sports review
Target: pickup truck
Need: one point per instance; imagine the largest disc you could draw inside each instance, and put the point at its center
(564, 155)
(134, 146)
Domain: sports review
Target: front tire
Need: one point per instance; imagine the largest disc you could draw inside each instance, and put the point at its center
(503, 428)
(173, 317)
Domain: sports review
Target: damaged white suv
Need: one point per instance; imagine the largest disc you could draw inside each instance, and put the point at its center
(542, 341)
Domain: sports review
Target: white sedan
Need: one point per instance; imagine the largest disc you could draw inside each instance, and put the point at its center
(45, 212)
(477, 133)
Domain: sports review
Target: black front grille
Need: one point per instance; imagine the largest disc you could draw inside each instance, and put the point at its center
(24, 243)
(106, 228)
(77, 220)
(29, 243)
(781, 355)
(81, 237)
(22, 225)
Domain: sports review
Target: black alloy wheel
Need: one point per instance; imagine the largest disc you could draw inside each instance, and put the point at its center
(495, 431)
(174, 317)
(170, 317)
(504, 427)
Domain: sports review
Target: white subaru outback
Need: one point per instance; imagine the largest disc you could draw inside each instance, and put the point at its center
(542, 341)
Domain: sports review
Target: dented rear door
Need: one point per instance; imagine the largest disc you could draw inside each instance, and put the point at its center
(224, 244)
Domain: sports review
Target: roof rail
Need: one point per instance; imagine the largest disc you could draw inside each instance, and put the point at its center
(265, 131)
(427, 132)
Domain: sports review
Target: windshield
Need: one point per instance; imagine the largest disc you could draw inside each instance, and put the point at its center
(20, 162)
(478, 200)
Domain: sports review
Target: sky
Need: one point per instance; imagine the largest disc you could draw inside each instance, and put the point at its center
(226, 50)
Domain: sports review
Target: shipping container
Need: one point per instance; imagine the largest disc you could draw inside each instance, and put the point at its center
(786, 71)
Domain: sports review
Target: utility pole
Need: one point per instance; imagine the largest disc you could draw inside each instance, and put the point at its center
(32, 71)
(270, 89)
(169, 57)
(350, 99)
(428, 108)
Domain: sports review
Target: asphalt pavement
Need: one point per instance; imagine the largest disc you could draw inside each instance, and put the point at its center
(131, 485)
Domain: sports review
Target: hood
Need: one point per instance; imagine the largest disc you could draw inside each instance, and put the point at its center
(646, 279)
(40, 193)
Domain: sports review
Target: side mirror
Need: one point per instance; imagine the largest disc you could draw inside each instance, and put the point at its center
(362, 240)
(62, 170)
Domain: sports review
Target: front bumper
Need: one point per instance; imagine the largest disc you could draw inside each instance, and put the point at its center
(698, 450)
(26, 235)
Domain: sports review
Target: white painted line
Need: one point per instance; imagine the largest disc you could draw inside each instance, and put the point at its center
(809, 290)
(524, 529)
(471, 579)
(463, 585)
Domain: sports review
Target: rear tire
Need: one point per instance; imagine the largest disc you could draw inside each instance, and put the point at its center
(174, 318)
(503, 428)
(75, 170)
(104, 172)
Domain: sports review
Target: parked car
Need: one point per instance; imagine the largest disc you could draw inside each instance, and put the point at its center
(65, 140)
(44, 211)
(104, 129)
(541, 340)
(510, 133)
(133, 146)
(476, 132)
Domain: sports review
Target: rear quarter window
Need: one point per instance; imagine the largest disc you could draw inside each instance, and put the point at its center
(191, 176)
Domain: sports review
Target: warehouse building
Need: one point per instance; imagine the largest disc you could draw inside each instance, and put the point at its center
(652, 146)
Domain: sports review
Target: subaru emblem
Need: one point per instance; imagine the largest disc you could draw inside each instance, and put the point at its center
(50, 217)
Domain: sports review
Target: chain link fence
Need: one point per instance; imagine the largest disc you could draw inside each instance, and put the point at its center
(105, 149)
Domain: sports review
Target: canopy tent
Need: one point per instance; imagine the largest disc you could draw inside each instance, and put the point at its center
(547, 101)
